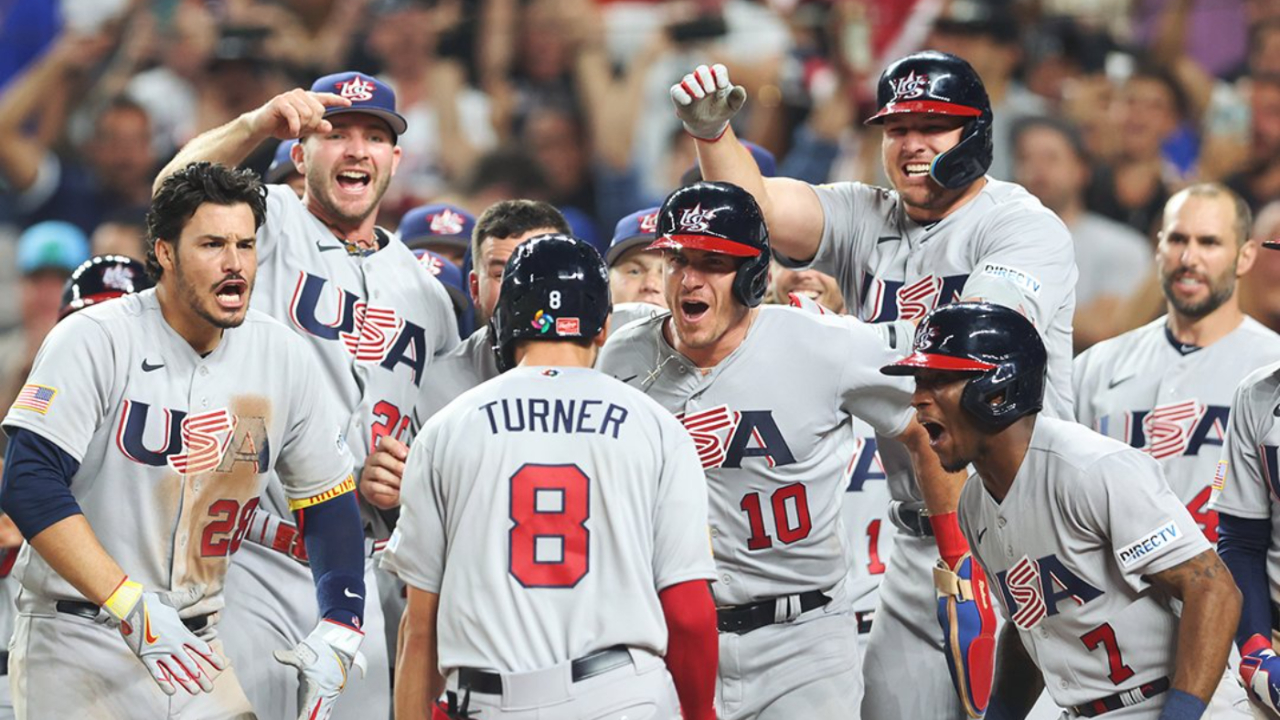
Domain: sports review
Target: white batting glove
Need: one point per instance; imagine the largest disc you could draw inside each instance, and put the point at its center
(150, 625)
(323, 660)
(705, 101)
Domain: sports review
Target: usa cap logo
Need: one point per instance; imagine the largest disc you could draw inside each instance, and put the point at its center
(357, 89)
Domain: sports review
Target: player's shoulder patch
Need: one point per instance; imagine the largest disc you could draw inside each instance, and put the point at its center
(35, 398)
(1151, 544)
(1020, 278)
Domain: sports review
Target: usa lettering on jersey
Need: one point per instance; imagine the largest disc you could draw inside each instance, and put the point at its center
(897, 300)
(190, 445)
(724, 437)
(1033, 589)
(370, 334)
(1173, 429)
(864, 465)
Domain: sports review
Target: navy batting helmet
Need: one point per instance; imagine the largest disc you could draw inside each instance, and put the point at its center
(997, 344)
(936, 82)
(555, 287)
(102, 278)
(723, 218)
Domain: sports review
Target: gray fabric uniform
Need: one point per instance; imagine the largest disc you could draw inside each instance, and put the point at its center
(376, 322)
(774, 446)
(547, 508)
(1113, 258)
(174, 449)
(1066, 551)
(1145, 389)
(1003, 247)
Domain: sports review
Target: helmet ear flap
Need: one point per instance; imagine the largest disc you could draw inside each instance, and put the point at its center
(969, 159)
(752, 280)
(1023, 395)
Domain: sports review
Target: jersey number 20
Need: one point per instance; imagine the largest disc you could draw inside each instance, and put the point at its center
(549, 541)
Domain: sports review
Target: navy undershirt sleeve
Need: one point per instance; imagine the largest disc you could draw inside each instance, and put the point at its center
(334, 536)
(37, 482)
(1243, 544)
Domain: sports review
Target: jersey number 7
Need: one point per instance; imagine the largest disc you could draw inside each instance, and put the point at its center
(548, 545)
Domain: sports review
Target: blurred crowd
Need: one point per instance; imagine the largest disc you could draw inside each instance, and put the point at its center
(1103, 109)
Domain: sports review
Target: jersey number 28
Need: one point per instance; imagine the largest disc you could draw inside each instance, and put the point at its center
(549, 542)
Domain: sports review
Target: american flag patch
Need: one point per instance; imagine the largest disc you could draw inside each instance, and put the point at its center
(34, 397)
(1220, 476)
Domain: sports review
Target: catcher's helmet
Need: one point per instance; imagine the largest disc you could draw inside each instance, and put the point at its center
(997, 344)
(102, 278)
(719, 217)
(936, 82)
(555, 287)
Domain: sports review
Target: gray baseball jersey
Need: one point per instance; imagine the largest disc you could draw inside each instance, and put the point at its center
(467, 365)
(772, 426)
(864, 510)
(1247, 481)
(173, 447)
(1146, 389)
(375, 321)
(1003, 246)
(548, 507)
(1067, 551)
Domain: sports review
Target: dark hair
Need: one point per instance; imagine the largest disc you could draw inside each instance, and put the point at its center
(511, 218)
(509, 169)
(1147, 70)
(183, 192)
(1065, 128)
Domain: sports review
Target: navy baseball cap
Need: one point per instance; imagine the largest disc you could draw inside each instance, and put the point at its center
(449, 275)
(638, 228)
(440, 223)
(52, 245)
(282, 164)
(367, 95)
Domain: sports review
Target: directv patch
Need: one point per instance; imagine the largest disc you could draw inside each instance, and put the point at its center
(1014, 275)
(1152, 544)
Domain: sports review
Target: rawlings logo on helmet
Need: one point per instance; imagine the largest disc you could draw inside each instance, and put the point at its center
(695, 219)
(356, 89)
(446, 222)
(118, 277)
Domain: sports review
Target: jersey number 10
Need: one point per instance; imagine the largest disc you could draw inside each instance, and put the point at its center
(548, 545)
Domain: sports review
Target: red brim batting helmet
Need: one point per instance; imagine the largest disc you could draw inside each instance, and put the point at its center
(719, 217)
(997, 344)
(1273, 243)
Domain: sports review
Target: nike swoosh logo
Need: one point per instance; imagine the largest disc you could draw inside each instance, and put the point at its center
(1116, 381)
(981, 533)
(146, 628)
(326, 248)
(148, 367)
(350, 594)
(887, 238)
(633, 377)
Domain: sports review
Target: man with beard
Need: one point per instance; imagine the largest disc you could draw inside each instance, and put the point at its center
(1114, 603)
(130, 534)
(368, 309)
(945, 232)
(1165, 388)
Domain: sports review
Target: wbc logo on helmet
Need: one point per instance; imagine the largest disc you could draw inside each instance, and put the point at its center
(911, 87)
(695, 219)
(446, 222)
(356, 89)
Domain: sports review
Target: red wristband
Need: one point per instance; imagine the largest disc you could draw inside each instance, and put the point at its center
(946, 532)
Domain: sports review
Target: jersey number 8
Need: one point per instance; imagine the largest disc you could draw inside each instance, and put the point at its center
(548, 545)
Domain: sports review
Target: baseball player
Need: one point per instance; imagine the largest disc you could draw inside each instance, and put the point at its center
(138, 449)
(1245, 486)
(1085, 542)
(635, 272)
(370, 312)
(98, 279)
(553, 532)
(774, 446)
(1166, 387)
(944, 232)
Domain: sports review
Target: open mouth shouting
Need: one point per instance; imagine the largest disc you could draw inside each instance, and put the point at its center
(937, 431)
(915, 169)
(693, 310)
(354, 182)
(232, 293)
